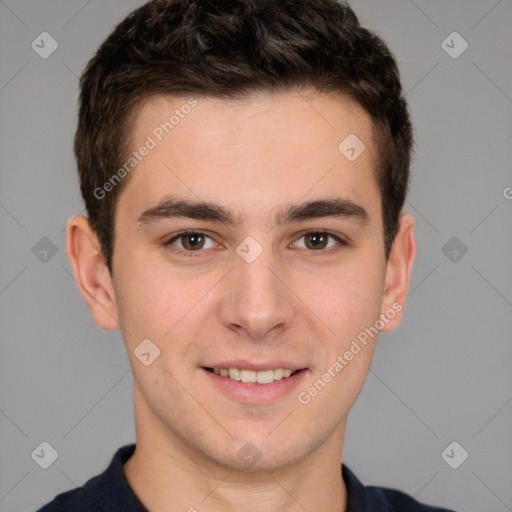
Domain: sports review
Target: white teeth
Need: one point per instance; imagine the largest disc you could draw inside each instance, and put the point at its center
(278, 374)
(247, 376)
(265, 377)
(262, 377)
(234, 373)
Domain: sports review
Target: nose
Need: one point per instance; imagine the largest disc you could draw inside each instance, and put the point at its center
(256, 301)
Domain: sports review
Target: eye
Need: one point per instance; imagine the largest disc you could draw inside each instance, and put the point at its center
(191, 241)
(194, 241)
(320, 241)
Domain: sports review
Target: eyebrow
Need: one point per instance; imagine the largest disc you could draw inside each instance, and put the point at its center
(201, 210)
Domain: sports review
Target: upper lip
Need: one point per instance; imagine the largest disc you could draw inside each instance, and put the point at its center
(256, 366)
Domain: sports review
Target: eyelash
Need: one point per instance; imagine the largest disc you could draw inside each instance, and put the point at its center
(193, 254)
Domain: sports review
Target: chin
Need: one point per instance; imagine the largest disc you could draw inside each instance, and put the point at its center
(253, 455)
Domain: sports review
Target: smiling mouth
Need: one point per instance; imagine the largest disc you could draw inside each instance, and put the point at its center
(251, 376)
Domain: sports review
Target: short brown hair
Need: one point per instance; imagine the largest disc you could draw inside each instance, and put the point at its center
(231, 48)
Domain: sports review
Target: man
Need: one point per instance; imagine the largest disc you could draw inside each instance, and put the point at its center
(244, 165)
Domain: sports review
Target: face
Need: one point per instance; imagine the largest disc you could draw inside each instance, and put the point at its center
(248, 243)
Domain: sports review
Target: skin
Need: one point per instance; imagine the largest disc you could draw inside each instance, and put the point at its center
(256, 157)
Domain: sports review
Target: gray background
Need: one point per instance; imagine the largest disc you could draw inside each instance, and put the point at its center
(443, 376)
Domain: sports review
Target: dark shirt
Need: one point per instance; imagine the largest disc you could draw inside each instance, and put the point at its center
(110, 492)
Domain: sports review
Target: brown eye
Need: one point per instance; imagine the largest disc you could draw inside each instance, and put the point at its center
(321, 242)
(316, 240)
(192, 241)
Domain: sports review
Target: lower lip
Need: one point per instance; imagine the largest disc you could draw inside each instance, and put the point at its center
(254, 393)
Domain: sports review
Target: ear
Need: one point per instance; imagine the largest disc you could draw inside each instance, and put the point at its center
(398, 273)
(91, 272)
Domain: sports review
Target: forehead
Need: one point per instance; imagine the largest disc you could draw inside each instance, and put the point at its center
(256, 153)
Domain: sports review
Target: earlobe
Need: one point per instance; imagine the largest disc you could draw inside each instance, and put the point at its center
(90, 271)
(398, 273)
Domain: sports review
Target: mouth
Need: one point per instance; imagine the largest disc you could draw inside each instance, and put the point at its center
(260, 386)
(252, 376)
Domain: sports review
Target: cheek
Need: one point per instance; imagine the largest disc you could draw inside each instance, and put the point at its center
(347, 300)
(148, 300)
(157, 301)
